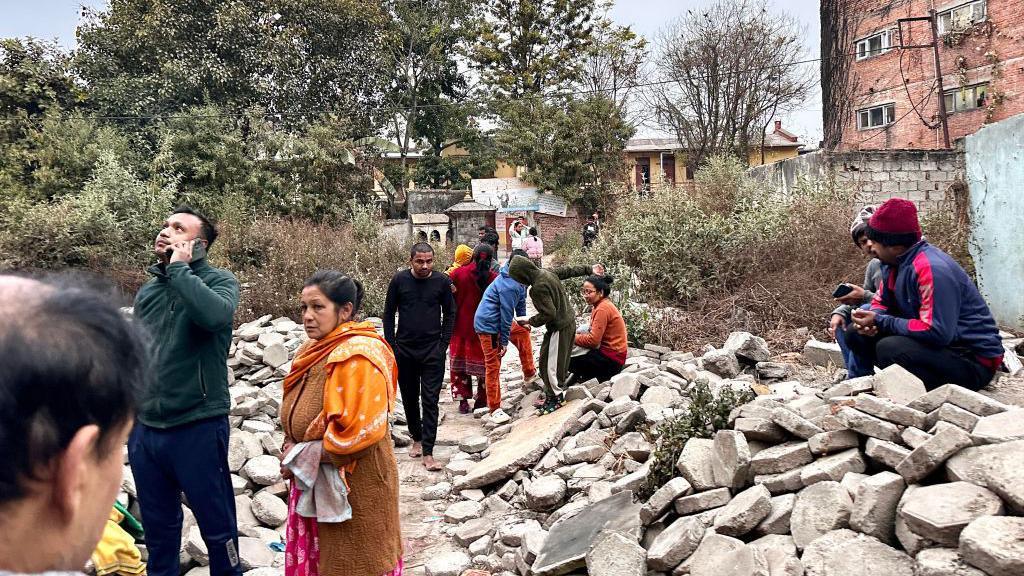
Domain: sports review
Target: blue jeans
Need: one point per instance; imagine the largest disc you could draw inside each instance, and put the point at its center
(191, 458)
(855, 367)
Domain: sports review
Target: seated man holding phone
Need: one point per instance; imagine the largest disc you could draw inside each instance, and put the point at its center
(851, 296)
(927, 315)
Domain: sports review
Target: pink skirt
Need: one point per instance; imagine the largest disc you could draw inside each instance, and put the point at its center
(302, 546)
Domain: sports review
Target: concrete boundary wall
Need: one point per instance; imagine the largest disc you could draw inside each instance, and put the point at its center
(995, 175)
(918, 175)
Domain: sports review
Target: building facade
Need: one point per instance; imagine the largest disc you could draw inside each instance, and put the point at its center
(655, 162)
(885, 94)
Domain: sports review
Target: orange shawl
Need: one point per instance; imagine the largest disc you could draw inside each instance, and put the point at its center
(359, 391)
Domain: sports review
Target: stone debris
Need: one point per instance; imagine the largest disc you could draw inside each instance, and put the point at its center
(814, 476)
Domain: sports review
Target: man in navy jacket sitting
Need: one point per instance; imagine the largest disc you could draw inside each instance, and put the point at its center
(927, 315)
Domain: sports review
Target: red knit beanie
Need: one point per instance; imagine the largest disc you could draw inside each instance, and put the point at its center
(894, 223)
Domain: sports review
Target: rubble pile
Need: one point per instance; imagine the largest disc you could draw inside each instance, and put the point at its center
(816, 476)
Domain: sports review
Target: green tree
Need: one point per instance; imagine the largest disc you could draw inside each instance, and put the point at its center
(529, 46)
(573, 149)
(296, 59)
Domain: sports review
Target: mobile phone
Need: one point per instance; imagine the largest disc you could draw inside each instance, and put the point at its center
(198, 250)
(842, 290)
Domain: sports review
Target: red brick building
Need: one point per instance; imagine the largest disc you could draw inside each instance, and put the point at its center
(883, 95)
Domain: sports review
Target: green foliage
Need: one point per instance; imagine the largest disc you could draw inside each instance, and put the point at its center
(706, 414)
(299, 58)
(528, 46)
(112, 222)
(681, 245)
(572, 149)
(34, 79)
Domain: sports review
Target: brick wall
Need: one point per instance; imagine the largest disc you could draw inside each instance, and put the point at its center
(550, 227)
(875, 176)
(993, 52)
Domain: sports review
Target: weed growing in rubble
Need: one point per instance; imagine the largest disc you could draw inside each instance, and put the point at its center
(705, 415)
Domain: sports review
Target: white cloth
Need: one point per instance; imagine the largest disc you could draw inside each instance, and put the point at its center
(322, 484)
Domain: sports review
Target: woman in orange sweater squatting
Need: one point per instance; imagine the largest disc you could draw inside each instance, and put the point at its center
(606, 340)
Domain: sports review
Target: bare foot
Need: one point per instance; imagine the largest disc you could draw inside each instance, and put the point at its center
(416, 451)
(432, 465)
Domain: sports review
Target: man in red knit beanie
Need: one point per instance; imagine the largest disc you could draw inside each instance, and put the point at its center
(927, 315)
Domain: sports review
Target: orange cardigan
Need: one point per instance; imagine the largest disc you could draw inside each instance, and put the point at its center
(607, 330)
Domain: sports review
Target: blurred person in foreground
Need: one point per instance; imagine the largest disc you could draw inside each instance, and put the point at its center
(180, 444)
(68, 387)
(343, 506)
(927, 315)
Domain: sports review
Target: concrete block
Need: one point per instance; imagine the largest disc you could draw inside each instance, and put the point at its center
(874, 508)
(927, 457)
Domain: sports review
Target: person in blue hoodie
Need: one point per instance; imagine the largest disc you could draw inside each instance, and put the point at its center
(494, 322)
(927, 315)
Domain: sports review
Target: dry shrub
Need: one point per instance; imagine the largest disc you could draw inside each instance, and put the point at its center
(949, 225)
(277, 255)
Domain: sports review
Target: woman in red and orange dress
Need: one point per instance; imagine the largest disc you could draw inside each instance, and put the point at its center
(467, 357)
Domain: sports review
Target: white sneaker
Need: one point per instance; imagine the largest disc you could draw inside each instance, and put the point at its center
(499, 417)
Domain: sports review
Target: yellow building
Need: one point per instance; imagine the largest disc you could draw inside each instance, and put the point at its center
(662, 161)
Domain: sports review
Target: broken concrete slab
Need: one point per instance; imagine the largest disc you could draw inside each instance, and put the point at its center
(675, 544)
(615, 554)
(694, 463)
(943, 562)
(721, 363)
(569, 540)
(996, 467)
(887, 453)
(874, 508)
(1002, 427)
(794, 423)
(847, 553)
(819, 509)
(745, 511)
(833, 467)
(702, 501)
(832, 441)
(720, 555)
(529, 440)
(868, 425)
(788, 481)
(994, 544)
(662, 499)
(730, 460)
(889, 410)
(969, 400)
(940, 512)
(825, 354)
(777, 521)
(899, 385)
(851, 387)
(781, 458)
(954, 415)
(761, 429)
(745, 345)
(927, 457)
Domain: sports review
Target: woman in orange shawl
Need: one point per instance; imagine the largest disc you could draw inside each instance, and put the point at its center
(340, 391)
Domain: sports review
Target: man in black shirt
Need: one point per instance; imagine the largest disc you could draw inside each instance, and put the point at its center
(426, 317)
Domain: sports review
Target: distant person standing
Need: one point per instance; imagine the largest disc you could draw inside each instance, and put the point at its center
(180, 443)
(590, 230)
(423, 300)
(534, 247)
(517, 233)
(467, 358)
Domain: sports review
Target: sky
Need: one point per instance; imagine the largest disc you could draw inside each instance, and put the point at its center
(647, 17)
(56, 20)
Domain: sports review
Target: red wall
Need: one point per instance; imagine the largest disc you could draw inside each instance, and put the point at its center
(878, 79)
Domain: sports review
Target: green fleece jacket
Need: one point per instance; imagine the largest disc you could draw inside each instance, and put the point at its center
(189, 311)
(554, 309)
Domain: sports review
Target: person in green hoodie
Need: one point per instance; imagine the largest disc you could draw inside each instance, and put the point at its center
(555, 312)
(180, 441)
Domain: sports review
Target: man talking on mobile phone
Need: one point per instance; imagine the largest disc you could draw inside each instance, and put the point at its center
(180, 442)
